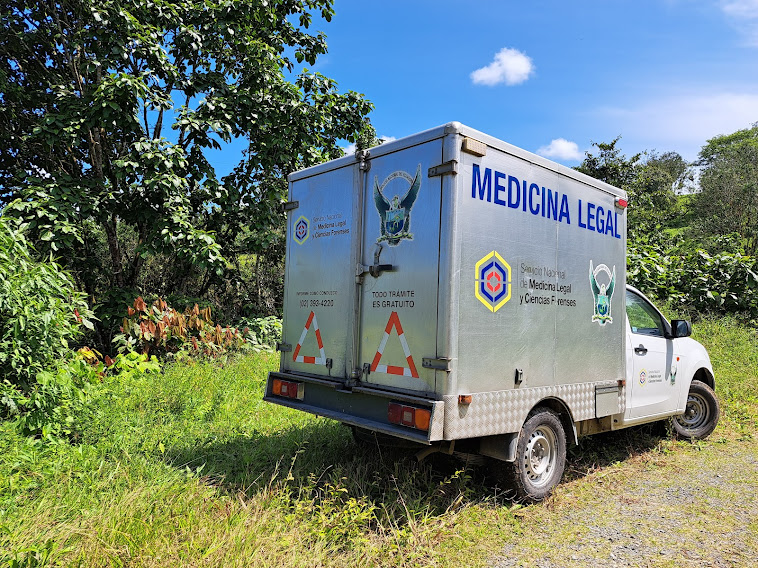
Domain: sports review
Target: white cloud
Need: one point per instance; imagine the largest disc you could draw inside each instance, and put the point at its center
(683, 123)
(740, 8)
(510, 66)
(561, 149)
(743, 15)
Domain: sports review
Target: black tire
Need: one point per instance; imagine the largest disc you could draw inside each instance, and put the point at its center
(540, 456)
(701, 415)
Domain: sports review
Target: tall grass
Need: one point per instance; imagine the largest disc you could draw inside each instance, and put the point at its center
(734, 354)
(191, 468)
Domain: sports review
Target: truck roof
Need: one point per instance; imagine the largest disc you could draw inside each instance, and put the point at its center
(458, 128)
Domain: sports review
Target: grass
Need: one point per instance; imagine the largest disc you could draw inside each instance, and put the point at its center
(191, 468)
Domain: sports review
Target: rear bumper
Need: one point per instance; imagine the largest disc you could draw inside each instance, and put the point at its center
(362, 406)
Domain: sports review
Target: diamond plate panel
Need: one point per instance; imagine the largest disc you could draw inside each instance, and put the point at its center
(437, 426)
(502, 412)
(622, 400)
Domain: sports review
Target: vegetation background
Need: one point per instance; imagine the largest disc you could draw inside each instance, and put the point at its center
(132, 427)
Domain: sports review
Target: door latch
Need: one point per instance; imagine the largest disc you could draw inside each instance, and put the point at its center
(375, 269)
(640, 350)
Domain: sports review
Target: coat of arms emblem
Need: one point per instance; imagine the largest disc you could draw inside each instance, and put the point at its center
(602, 293)
(395, 213)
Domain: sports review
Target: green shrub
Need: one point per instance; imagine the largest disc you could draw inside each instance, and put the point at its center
(723, 283)
(59, 405)
(266, 330)
(41, 312)
(127, 366)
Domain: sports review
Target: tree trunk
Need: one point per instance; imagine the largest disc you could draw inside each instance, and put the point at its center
(115, 251)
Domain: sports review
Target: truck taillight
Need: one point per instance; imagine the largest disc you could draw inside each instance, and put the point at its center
(288, 389)
(410, 416)
(421, 418)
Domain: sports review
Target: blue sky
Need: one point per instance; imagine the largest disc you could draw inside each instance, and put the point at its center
(553, 76)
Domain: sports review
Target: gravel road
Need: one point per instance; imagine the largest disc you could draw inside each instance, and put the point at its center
(676, 505)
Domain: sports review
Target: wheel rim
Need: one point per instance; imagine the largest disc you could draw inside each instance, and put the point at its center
(540, 456)
(696, 413)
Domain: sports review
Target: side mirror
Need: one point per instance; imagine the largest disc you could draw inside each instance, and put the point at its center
(681, 328)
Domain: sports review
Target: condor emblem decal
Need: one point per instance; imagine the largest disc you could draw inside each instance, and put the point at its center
(395, 214)
(602, 292)
(493, 281)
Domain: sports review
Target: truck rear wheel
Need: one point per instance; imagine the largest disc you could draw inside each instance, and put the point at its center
(700, 415)
(540, 456)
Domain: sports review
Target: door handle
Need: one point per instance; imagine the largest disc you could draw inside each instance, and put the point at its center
(374, 270)
(377, 269)
(640, 350)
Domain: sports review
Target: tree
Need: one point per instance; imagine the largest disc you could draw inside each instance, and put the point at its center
(718, 145)
(728, 198)
(674, 166)
(652, 194)
(648, 178)
(610, 165)
(108, 112)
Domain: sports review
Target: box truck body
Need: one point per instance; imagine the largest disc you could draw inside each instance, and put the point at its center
(444, 286)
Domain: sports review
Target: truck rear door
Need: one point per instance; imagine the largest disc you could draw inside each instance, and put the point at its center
(320, 275)
(400, 251)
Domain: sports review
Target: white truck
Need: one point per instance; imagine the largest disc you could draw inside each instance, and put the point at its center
(453, 290)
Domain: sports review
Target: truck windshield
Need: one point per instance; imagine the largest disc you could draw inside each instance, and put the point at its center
(644, 319)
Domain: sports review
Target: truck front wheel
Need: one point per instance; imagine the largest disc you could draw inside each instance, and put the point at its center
(540, 456)
(700, 415)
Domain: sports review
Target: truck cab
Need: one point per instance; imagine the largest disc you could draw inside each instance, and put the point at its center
(661, 362)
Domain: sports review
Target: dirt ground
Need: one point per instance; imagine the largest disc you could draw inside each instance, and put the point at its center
(679, 504)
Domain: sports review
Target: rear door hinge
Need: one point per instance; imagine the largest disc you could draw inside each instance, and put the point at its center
(283, 347)
(437, 363)
(363, 157)
(450, 167)
(290, 205)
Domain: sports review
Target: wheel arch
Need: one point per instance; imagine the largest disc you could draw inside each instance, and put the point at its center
(564, 415)
(705, 375)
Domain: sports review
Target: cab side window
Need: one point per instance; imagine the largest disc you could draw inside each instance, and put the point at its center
(644, 319)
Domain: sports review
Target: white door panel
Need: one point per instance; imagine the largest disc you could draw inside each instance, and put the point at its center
(653, 386)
